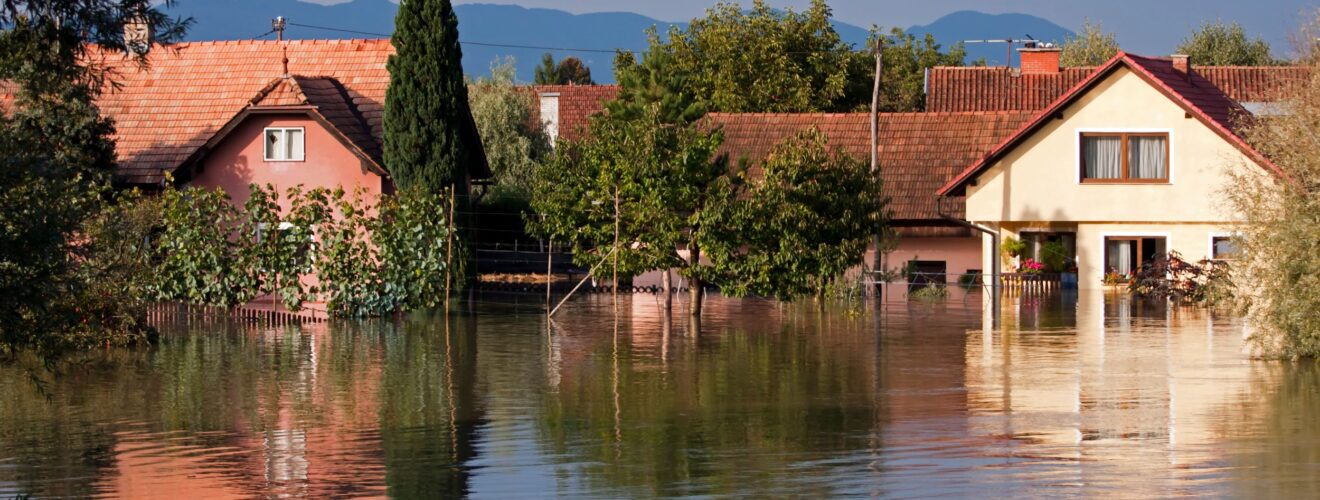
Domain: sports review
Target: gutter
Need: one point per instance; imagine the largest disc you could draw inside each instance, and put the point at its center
(996, 286)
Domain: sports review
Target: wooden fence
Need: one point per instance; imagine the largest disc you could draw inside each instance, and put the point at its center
(1030, 283)
(261, 311)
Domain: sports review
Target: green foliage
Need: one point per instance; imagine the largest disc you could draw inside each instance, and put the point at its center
(660, 174)
(199, 262)
(1276, 271)
(1012, 247)
(787, 232)
(1054, 255)
(514, 141)
(930, 292)
(426, 123)
(277, 248)
(903, 74)
(1090, 47)
(570, 70)
(1220, 44)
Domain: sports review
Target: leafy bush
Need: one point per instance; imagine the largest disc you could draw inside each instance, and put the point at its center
(1054, 255)
(931, 291)
(1012, 247)
(1171, 277)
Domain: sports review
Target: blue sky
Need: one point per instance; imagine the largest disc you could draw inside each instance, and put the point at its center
(1148, 26)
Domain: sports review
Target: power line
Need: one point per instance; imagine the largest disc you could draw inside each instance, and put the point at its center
(484, 44)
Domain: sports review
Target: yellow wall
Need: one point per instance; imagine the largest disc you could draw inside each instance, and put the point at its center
(1038, 183)
(1039, 179)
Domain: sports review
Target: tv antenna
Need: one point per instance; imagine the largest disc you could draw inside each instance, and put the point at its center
(1029, 42)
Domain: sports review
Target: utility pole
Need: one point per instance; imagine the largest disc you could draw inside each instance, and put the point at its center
(278, 25)
(875, 156)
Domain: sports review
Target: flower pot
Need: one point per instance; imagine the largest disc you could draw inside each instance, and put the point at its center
(1068, 281)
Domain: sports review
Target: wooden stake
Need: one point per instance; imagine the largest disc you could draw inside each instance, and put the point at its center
(615, 288)
(549, 266)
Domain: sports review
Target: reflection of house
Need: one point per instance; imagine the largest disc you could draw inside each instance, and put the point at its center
(1127, 165)
(229, 114)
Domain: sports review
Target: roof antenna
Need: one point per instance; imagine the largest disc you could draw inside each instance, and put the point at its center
(277, 25)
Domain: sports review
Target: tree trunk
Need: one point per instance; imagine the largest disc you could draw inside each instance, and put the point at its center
(695, 286)
(667, 283)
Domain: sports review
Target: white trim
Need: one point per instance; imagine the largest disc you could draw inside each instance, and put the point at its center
(265, 152)
(1077, 149)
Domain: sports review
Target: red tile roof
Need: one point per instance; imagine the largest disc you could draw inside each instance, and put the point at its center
(8, 91)
(166, 112)
(917, 152)
(1197, 95)
(577, 103)
(1002, 89)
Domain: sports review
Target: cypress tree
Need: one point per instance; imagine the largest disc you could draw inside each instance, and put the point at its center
(427, 103)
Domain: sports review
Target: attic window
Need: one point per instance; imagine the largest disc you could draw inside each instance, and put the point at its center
(284, 144)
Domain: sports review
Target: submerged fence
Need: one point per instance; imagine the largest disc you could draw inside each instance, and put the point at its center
(257, 312)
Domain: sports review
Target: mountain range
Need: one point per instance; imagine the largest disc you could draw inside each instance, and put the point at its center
(489, 31)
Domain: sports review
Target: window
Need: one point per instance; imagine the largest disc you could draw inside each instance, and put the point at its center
(1223, 248)
(1124, 255)
(1125, 158)
(284, 144)
(924, 272)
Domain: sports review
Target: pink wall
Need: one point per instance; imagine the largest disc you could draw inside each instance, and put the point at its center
(239, 160)
(959, 254)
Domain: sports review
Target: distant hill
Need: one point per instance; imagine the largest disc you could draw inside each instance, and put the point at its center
(972, 25)
(514, 25)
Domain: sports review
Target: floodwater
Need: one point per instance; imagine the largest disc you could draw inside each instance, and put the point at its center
(1089, 395)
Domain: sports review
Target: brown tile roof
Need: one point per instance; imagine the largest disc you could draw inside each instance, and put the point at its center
(1197, 95)
(917, 152)
(1002, 89)
(577, 103)
(166, 112)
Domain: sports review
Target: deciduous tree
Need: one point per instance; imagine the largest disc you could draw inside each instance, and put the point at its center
(1225, 44)
(514, 141)
(570, 70)
(1090, 47)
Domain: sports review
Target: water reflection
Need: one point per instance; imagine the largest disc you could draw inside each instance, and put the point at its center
(1071, 394)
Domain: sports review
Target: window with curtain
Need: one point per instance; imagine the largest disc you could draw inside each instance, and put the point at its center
(284, 144)
(1125, 157)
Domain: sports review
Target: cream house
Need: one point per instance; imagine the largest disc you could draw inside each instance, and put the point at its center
(1129, 164)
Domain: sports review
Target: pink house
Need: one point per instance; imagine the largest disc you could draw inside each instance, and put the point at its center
(230, 114)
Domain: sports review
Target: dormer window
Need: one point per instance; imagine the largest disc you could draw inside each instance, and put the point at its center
(1115, 158)
(284, 144)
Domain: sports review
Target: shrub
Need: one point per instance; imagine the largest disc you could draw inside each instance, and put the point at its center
(1171, 277)
(931, 292)
(1054, 256)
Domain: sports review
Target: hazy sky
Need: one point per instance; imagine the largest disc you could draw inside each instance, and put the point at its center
(1150, 25)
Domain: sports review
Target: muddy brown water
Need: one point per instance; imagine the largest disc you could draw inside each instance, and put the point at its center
(1070, 395)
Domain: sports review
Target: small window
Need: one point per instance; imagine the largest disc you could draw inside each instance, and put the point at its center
(1223, 248)
(284, 144)
(1125, 158)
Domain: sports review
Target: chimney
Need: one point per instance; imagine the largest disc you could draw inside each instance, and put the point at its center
(137, 35)
(550, 115)
(1182, 63)
(1042, 59)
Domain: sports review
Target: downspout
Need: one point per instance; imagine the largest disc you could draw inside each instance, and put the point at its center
(995, 284)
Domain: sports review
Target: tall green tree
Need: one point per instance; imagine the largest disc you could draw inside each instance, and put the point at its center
(426, 107)
(56, 163)
(570, 70)
(1090, 47)
(514, 141)
(1225, 44)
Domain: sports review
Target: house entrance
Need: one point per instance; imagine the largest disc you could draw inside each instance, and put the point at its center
(1125, 255)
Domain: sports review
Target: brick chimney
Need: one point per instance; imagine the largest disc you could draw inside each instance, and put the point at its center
(1040, 60)
(1182, 63)
(138, 35)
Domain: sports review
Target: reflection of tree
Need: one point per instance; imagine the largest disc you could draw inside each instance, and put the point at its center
(1279, 462)
(430, 410)
(730, 415)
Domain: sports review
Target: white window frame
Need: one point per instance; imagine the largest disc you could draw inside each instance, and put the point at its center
(265, 149)
(1077, 152)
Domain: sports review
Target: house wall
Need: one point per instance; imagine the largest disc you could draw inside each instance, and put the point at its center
(1040, 179)
(239, 161)
(959, 254)
(1192, 240)
(1038, 183)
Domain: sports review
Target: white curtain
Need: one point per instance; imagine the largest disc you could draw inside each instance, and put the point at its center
(1104, 157)
(1119, 256)
(1146, 159)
